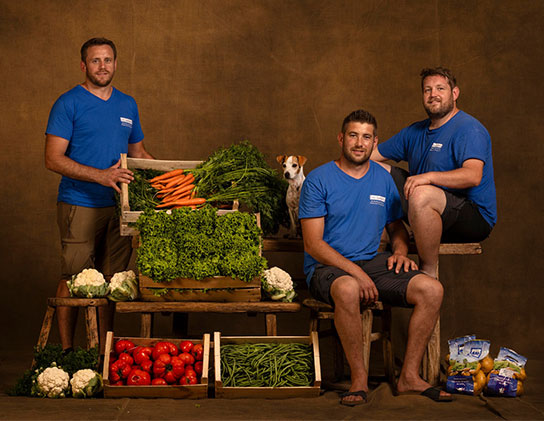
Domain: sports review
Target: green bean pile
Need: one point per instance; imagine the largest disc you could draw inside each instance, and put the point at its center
(267, 365)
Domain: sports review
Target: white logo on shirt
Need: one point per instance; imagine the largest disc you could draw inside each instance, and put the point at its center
(436, 147)
(377, 200)
(127, 122)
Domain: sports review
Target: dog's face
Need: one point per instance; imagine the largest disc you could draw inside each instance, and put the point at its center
(292, 165)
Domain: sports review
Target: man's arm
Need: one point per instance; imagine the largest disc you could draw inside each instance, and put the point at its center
(137, 150)
(377, 156)
(315, 246)
(469, 175)
(57, 161)
(399, 238)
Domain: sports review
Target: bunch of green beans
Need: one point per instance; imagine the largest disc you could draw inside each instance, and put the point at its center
(267, 365)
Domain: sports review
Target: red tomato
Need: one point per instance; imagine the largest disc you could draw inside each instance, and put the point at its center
(119, 370)
(186, 346)
(158, 381)
(147, 365)
(126, 358)
(138, 378)
(160, 364)
(123, 345)
(188, 380)
(142, 353)
(187, 358)
(198, 367)
(198, 352)
(117, 383)
(190, 373)
(173, 348)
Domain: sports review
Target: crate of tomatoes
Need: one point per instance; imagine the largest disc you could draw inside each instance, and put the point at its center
(156, 368)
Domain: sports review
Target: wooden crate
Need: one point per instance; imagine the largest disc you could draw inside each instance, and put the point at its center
(194, 391)
(128, 216)
(208, 289)
(266, 392)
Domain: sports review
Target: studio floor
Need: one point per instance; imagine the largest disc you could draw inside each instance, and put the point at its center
(382, 404)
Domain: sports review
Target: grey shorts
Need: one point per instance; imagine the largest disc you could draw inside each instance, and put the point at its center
(90, 238)
(391, 286)
(462, 222)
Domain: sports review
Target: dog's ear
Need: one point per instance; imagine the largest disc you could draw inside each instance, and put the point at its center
(301, 160)
(280, 158)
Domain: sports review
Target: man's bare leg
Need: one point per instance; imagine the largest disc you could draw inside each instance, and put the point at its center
(425, 207)
(347, 319)
(425, 293)
(66, 317)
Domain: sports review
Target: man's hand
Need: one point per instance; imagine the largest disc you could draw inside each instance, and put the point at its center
(416, 180)
(367, 290)
(399, 261)
(115, 174)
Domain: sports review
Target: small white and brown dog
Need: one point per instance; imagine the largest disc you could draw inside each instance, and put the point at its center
(294, 174)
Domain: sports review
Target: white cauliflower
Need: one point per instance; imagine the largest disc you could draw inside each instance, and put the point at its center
(86, 383)
(278, 284)
(88, 283)
(123, 286)
(53, 382)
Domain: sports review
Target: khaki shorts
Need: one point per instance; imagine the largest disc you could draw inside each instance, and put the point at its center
(90, 238)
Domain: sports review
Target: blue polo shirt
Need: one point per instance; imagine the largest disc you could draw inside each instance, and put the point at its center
(447, 148)
(355, 210)
(98, 132)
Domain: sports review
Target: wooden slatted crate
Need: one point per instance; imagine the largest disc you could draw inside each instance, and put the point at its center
(216, 289)
(266, 392)
(193, 391)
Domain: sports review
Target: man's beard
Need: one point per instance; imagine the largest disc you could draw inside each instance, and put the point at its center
(356, 161)
(442, 111)
(97, 82)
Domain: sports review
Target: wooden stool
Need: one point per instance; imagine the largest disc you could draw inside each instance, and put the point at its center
(322, 311)
(90, 305)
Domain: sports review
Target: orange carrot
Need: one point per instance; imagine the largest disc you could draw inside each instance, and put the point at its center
(178, 196)
(166, 175)
(186, 202)
(174, 181)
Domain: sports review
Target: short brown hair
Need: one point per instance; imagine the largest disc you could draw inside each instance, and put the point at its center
(97, 41)
(439, 71)
(360, 116)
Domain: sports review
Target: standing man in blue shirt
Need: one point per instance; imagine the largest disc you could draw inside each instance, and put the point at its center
(449, 193)
(344, 207)
(89, 127)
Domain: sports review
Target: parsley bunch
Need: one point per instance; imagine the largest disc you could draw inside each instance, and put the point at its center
(241, 173)
(199, 244)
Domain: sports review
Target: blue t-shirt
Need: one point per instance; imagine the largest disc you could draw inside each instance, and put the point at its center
(355, 210)
(98, 132)
(445, 149)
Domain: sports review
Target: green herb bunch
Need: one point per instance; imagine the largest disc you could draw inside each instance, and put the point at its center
(241, 173)
(198, 244)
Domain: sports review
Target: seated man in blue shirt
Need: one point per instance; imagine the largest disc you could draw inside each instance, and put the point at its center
(344, 207)
(449, 193)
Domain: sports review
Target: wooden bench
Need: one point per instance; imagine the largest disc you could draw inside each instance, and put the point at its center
(431, 359)
(149, 308)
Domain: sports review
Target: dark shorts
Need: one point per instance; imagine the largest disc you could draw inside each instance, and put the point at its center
(462, 222)
(391, 286)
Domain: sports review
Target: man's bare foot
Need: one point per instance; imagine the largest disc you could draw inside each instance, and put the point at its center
(416, 385)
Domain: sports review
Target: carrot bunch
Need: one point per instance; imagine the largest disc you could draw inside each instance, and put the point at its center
(176, 189)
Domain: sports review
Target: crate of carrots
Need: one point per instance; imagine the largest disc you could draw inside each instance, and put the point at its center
(158, 184)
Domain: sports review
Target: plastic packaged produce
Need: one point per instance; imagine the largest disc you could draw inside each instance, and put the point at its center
(466, 358)
(508, 374)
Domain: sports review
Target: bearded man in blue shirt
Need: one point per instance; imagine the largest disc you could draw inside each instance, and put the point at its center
(448, 195)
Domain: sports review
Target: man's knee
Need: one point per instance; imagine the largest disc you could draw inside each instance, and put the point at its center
(345, 292)
(424, 289)
(427, 197)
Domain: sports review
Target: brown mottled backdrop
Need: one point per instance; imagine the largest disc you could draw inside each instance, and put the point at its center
(283, 74)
